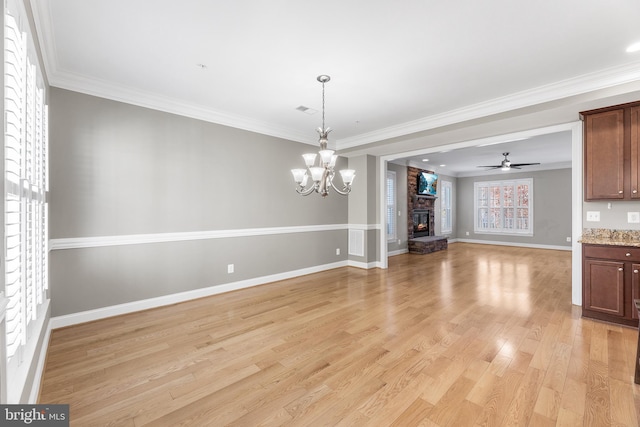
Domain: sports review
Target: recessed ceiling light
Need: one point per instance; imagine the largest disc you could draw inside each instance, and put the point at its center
(201, 66)
(634, 48)
(425, 160)
(442, 166)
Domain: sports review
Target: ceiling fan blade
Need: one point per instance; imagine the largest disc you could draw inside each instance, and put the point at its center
(491, 167)
(523, 164)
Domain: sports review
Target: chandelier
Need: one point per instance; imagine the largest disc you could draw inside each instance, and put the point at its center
(321, 172)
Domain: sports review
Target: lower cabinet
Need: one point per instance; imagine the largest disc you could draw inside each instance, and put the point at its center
(610, 283)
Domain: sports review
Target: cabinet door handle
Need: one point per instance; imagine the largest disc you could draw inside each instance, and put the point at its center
(620, 191)
(620, 269)
(627, 254)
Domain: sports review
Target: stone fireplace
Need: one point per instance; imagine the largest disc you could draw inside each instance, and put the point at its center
(421, 209)
(421, 218)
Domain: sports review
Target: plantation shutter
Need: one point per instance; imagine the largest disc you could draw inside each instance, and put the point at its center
(25, 162)
(391, 205)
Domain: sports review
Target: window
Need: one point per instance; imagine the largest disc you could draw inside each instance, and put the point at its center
(446, 220)
(26, 185)
(391, 206)
(504, 207)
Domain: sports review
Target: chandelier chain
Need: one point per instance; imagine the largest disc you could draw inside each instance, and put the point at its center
(323, 128)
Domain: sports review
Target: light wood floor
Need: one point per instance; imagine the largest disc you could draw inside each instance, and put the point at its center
(473, 336)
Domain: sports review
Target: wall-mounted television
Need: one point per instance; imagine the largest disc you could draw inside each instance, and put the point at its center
(427, 183)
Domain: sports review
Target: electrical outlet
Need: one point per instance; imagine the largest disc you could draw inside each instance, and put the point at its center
(467, 233)
(337, 251)
(568, 239)
(593, 216)
(633, 217)
(230, 268)
(399, 241)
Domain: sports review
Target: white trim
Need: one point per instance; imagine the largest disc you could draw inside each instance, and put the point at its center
(381, 168)
(18, 377)
(365, 227)
(137, 239)
(398, 252)
(363, 265)
(523, 245)
(39, 373)
(603, 79)
(576, 212)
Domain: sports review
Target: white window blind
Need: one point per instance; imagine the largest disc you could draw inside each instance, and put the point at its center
(26, 185)
(391, 206)
(446, 219)
(504, 207)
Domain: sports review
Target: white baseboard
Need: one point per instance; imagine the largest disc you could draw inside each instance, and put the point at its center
(364, 265)
(130, 307)
(523, 245)
(398, 252)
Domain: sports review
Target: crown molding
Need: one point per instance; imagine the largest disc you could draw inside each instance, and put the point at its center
(603, 79)
(107, 90)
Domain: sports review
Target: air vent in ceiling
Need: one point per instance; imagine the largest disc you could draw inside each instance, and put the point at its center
(306, 110)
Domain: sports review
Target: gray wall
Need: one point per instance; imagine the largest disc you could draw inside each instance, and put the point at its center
(552, 208)
(122, 170)
(613, 214)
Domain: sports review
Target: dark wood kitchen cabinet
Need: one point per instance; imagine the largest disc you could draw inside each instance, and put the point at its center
(612, 152)
(610, 283)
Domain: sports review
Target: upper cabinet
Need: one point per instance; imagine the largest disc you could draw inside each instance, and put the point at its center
(612, 152)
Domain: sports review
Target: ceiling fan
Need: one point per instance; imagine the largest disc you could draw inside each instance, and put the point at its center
(506, 164)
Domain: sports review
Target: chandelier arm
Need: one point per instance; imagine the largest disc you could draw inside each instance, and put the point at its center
(345, 190)
(305, 192)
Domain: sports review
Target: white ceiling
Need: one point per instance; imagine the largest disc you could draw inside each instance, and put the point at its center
(396, 67)
(552, 151)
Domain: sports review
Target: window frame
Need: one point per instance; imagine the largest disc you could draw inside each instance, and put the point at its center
(391, 208)
(505, 202)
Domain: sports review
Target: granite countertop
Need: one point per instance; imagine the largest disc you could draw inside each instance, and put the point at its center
(604, 236)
